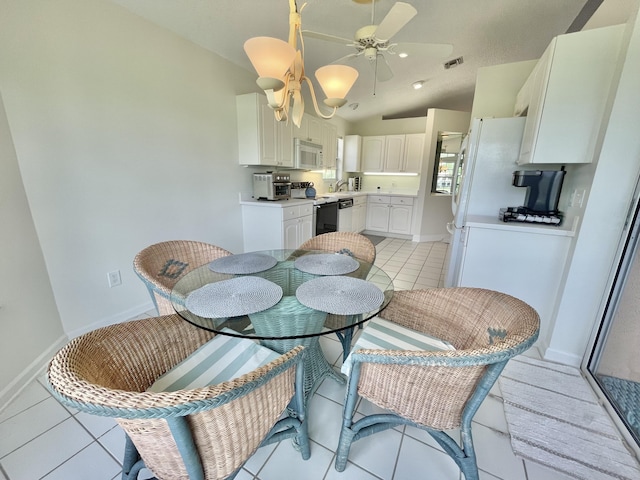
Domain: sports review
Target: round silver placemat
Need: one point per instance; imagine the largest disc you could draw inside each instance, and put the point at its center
(326, 264)
(243, 263)
(234, 297)
(340, 295)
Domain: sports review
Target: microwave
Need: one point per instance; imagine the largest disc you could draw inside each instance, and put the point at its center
(306, 155)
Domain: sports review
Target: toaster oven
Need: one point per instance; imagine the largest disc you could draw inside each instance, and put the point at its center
(271, 186)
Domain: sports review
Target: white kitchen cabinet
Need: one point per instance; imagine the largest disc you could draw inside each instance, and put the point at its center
(297, 230)
(373, 148)
(400, 215)
(351, 156)
(261, 139)
(329, 145)
(377, 217)
(359, 214)
(565, 97)
(389, 214)
(413, 152)
(524, 261)
(310, 129)
(269, 225)
(393, 153)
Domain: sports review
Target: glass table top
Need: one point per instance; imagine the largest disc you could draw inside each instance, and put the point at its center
(279, 292)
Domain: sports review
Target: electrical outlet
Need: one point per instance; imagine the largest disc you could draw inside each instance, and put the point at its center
(114, 278)
(577, 197)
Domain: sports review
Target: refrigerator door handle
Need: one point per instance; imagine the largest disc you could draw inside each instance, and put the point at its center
(451, 227)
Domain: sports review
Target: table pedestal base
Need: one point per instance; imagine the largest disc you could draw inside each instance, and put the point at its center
(316, 367)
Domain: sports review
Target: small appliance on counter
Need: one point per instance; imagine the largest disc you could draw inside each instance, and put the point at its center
(541, 200)
(271, 186)
(303, 190)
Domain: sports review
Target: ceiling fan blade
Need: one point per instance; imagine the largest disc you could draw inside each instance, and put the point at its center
(347, 58)
(381, 68)
(435, 50)
(398, 17)
(326, 37)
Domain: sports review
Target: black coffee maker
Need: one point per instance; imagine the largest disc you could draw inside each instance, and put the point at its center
(541, 199)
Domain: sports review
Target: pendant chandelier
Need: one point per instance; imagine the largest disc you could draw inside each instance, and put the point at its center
(280, 67)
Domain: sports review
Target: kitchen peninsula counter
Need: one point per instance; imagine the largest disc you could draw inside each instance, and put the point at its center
(495, 223)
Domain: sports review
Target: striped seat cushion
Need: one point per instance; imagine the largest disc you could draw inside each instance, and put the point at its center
(381, 334)
(221, 359)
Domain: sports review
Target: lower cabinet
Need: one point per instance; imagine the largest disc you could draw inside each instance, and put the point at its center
(389, 214)
(268, 226)
(359, 214)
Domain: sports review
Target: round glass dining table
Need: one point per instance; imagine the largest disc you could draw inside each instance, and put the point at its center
(285, 298)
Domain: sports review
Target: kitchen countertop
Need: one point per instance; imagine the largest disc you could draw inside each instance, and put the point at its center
(277, 203)
(321, 198)
(495, 223)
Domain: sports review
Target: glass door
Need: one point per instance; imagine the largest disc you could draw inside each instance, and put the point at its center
(614, 363)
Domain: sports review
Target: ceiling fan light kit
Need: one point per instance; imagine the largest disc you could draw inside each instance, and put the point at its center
(280, 68)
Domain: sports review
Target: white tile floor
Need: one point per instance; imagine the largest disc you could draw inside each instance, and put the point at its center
(40, 439)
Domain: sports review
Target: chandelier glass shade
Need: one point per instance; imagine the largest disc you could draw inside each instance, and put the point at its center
(280, 68)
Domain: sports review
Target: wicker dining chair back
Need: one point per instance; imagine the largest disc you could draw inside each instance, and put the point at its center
(350, 243)
(201, 433)
(161, 265)
(438, 390)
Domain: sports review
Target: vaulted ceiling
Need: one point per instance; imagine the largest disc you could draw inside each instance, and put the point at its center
(483, 33)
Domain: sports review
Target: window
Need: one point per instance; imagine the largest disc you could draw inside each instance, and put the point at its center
(447, 148)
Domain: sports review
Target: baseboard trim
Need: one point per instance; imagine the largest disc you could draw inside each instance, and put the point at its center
(562, 357)
(36, 368)
(18, 384)
(432, 238)
(117, 318)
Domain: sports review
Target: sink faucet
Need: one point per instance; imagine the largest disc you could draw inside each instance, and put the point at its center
(340, 184)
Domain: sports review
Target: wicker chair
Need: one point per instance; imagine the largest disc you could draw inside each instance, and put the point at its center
(349, 242)
(161, 265)
(437, 390)
(200, 433)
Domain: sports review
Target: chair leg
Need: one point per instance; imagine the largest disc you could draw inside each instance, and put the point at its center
(346, 433)
(131, 463)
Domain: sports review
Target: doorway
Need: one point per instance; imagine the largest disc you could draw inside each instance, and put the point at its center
(614, 362)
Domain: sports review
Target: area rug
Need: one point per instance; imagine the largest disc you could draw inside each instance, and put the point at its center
(555, 419)
(626, 395)
(375, 239)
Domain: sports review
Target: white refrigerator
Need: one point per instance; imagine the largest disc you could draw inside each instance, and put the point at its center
(484, 173)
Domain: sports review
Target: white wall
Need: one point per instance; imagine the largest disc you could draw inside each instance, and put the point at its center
(125, 135)
(31, 327)
(609, 197)
(497, 87)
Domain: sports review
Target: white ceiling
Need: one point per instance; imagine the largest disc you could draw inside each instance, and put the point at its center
(487, 32)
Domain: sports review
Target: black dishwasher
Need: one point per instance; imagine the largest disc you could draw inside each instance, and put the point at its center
(326, 218)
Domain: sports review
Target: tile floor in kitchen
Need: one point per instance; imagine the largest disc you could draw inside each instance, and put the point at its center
(40, 439)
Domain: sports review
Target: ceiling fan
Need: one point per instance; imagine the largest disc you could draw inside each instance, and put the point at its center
(373, 42)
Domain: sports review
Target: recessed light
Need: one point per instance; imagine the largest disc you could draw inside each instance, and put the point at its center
(403, 54)
(418, 85)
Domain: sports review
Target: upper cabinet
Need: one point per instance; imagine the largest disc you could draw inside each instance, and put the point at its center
(565, 97)
(329, 145)
(264, 141)
(373, 149)
(352, 153)
(261, 139)
(392, 153)
(310, 129)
